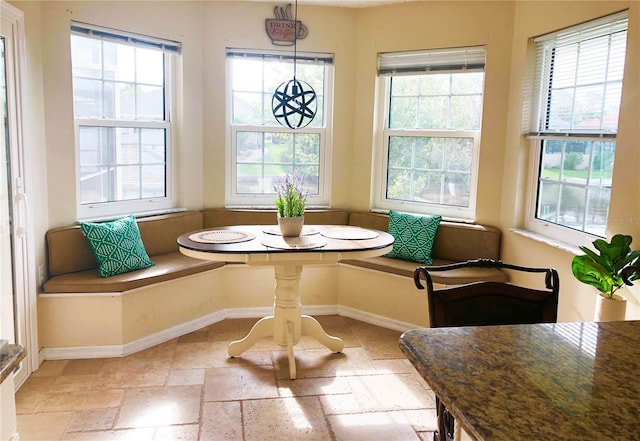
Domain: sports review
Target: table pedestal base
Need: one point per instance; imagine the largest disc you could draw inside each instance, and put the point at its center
(287, 323)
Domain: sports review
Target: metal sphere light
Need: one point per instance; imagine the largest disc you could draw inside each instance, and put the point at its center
(294, 104)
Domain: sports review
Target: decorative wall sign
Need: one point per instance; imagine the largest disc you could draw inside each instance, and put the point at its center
(284, 29)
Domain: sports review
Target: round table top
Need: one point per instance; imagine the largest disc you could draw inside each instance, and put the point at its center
(247, 243)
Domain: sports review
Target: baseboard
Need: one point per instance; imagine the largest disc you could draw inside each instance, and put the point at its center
(109, 351)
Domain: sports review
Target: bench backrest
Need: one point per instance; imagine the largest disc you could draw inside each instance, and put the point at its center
(454, 241)
(68, 250)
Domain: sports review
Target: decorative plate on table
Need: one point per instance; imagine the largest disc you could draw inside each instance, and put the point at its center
(349, 233)
(222, 236)
(293, 243)
(307, 230)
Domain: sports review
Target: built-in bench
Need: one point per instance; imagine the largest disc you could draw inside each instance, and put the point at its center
(179, 293)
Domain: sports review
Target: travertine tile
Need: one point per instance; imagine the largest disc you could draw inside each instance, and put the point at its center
(185, 377)
(32, 393)
(312, 363)
(44, 426)
(284, 419)
(201, 355)
(73, 383)
(111, 435)
(230, 329)
(51, 368)
(81, 400)
(387, 426)
(221, 421)
(133, 375)
(159, 406)
(93, 419)
(239, 383)
(187, 432)
(314, 386)
(83, 366)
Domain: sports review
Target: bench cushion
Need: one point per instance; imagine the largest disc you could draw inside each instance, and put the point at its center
(451, 277)
(167, 267)
(68, 250)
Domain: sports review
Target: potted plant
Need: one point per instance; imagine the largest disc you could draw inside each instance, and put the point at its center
(604, 269)
(291, 200)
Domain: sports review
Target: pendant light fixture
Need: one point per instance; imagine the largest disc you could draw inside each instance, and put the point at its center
(294, 103)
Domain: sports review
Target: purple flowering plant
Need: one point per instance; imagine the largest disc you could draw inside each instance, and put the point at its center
(291, 197)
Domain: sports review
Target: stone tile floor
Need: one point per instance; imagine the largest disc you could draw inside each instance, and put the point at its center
(189, 389)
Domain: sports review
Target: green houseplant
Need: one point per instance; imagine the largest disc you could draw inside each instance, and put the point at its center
(603, 268)
(291, 200)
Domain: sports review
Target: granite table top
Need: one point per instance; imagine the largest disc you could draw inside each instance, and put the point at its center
(10, 357)
(576, 381)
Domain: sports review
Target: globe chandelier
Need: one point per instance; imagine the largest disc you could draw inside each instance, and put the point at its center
(294, 102)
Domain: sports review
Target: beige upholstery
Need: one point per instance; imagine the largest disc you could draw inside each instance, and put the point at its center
(73, 268)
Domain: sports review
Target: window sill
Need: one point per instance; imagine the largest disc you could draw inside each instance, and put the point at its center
(564, 246)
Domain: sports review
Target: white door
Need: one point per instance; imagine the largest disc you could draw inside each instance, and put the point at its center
(17, 275)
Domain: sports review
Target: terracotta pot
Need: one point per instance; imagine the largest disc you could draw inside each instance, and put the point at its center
(290, 226)
(610, 310)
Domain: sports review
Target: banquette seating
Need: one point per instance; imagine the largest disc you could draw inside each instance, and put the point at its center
(81, 314)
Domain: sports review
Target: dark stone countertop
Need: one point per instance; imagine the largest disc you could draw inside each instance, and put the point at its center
(10, 357)
(576, 381)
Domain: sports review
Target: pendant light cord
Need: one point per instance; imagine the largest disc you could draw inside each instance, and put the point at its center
(295, 41)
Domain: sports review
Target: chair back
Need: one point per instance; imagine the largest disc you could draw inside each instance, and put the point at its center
(490, 303)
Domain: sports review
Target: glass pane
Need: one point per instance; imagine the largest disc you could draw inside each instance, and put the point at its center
(249, 147)
(127, 146)
(128, 183)
(399, 184)
(406, 85)
(575, 162)
(149, 67)
(119, 62)
(119, 100)
(86, 98)
(467, 83)
(587, 113)
(433, 112)
(153, 178)
(307, 148)
(152, 146)
(551, 159)
(403, 112)
(597, 211)
(247, 75)
(465, 112)
(311, 178)
(436, 84)
(560, 110)
(548, 196)
(433, 188)
(86, 57)
(602, 164)
(457, 187)
(248, 178)
(278, 148)
(150, 103)
(400, 151)
(572, 206)
(247, 108)
(458, 154)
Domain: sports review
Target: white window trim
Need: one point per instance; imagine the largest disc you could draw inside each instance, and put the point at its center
(235, 200)
(105, 210)
(381, 149)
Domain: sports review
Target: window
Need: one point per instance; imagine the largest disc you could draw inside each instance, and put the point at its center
(577, 87)
(121, 106)
(430, 131)
(261, 151)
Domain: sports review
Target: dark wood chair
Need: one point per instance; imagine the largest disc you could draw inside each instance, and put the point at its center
(486, 303)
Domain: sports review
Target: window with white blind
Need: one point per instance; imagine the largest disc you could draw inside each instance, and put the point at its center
(121, 106)
(430, 119)
(260, 150)
(573, 124)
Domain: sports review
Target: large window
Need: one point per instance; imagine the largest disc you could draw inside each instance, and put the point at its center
(577, 90)
(430, 130)
(261, 151)
(121, 104)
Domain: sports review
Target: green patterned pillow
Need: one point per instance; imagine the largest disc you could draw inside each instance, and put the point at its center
(117, 246)
(413, 236)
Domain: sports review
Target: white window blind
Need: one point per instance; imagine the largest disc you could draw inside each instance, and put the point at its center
(579, 79)
(121, 37)
(301, 57)
(434, 60)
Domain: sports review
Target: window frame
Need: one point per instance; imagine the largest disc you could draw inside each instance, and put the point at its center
(380, 202)
(536, 137)
(144, 205)
(233, 199)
